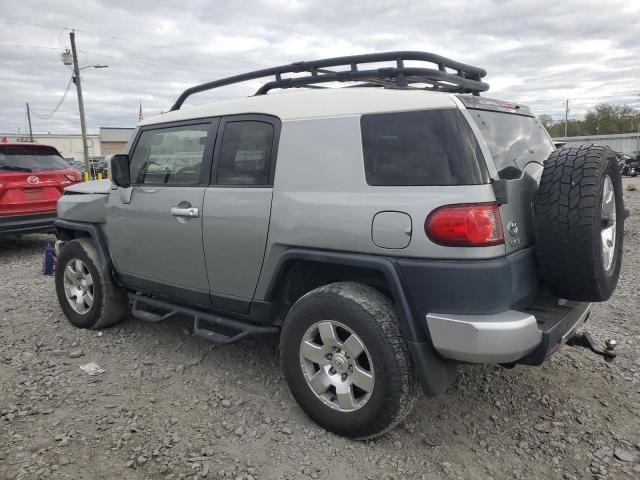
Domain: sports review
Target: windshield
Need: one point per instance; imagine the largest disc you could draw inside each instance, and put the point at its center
(513, 140)
(19, 158)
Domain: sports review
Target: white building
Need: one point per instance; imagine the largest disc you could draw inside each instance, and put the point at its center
(107, 142)
(69, 145)
(624, 142)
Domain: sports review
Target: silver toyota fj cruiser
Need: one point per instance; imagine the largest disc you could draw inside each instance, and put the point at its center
(387, 232)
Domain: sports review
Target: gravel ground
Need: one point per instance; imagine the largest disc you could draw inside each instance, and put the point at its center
(173, 406)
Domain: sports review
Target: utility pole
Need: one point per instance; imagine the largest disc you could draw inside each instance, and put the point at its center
(29, 119)
(83, 126)
(566, 117)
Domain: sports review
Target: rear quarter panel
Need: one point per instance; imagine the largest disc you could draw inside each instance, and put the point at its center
(321, 199)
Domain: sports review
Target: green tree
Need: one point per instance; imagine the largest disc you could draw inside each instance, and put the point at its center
(546, 121)
(603, 119)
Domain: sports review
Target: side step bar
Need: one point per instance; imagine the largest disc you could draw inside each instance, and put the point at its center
(211, 327)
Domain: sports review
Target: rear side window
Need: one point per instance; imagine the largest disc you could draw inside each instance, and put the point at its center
(513, 140)
(427, 147)
(25, 158)
(245, 153)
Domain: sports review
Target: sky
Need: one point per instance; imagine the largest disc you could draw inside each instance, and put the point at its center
(536, 52)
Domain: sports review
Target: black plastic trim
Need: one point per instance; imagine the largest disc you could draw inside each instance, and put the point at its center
(479, 287)
(466, 78)
(241, 329)
(96, 235)
(249, 311)
(232, 304)
(434, 372)
(38, 222)
(551, 340)
(190, 295)
(412, 330)
(492, 105)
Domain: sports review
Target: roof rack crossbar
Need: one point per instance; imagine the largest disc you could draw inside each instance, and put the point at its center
(402, 76)
(467, 78)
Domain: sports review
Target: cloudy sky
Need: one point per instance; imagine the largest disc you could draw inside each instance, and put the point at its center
(537, 52)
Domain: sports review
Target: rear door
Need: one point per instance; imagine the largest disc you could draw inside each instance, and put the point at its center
(154, 228)
(237, 208)
(519, 145)
(32, 178)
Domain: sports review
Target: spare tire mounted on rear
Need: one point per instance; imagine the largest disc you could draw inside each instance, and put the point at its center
(579, 223)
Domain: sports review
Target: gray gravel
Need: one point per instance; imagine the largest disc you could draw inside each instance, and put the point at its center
(172, 406)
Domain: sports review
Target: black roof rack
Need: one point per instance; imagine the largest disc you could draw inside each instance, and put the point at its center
(449, 76)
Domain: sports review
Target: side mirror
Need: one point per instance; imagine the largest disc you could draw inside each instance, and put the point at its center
(120, 174)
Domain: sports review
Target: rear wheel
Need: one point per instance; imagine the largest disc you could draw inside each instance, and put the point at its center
(345, 360)
(88, 297)
(579, 223)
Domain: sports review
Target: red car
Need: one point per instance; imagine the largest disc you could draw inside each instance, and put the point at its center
(32, 178)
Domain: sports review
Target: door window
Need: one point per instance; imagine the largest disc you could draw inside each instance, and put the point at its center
(169, 156)
(245, 153)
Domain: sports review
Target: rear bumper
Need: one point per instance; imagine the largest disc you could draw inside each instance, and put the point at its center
(39, 222)
(510, 336)
(498, 338)
(489, 311)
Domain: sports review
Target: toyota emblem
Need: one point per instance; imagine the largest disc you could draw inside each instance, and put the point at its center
(33, 179)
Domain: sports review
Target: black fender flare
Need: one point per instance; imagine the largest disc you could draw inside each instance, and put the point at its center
(96, 235)
(435, 372)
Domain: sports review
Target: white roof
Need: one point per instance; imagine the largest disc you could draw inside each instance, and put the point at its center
(307, 103)
(110, 134)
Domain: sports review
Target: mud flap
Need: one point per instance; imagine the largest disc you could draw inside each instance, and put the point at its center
(435, 373)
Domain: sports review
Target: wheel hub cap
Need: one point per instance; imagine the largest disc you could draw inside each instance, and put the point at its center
(608, 225)
(78, 286)
(337, 366)
(340, 363)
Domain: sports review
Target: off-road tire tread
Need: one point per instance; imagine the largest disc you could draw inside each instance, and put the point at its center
(113, 303)
(567, 215)
(384, 317)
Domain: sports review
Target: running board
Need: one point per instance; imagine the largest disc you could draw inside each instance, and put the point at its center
(211, 327)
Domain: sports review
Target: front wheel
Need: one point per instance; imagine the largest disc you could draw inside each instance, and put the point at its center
(87, 295)
(345, 360)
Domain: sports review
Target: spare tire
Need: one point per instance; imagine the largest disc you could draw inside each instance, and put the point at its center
(579, 221)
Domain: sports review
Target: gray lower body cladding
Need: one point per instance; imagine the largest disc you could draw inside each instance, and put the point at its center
(471, 287)
(489, 311)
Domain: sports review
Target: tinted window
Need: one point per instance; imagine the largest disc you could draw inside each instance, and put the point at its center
(170, 156)
(245, 153)
(430, 147)
(19, 158)
(514, 140)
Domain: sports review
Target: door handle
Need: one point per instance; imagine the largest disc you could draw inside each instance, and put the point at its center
(191, 212)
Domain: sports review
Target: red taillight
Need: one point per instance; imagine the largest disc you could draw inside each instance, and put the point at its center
(465, 225)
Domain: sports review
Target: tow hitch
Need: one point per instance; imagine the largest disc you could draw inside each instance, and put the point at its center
(585, 340)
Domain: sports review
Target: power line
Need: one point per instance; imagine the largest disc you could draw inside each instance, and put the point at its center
(142, 62)
(126, 40)
(122, 58)
(55, 109)
(229, 59)
(32, 25)
(26, 46)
